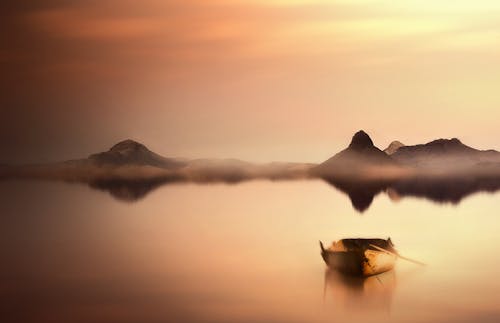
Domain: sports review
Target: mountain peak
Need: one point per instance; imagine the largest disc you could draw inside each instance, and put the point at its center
(131, 152)
(128, 146)
(361, 140)
(393, 147)
(442, 153)
(360, 155)
(446, 142)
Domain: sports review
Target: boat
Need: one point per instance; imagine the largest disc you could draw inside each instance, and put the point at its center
(360, 257)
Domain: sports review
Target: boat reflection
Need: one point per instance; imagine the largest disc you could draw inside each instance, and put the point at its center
(360, 295)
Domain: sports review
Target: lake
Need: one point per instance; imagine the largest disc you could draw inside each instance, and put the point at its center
(245, 252)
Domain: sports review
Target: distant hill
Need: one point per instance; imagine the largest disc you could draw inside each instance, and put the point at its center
(359, 155)
(130, 152)
(442, 170)
(129, 170)
(444, 153)
(393, 147)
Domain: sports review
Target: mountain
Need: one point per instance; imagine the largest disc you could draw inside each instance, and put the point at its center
(393, 147)
(444, 153)
(130, 152)
(361, 154)
(129, 171)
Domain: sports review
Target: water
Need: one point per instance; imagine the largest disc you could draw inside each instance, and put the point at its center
(239, 253)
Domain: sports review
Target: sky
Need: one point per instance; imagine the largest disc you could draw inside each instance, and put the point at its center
(259, 80)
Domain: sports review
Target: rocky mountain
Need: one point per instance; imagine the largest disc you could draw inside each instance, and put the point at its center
(444, 153)
(130, 152)
(393, 147)
(360, 154)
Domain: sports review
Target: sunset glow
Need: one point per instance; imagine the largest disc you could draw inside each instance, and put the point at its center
(196, 78)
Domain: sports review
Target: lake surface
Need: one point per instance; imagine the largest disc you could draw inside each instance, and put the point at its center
(239, 253)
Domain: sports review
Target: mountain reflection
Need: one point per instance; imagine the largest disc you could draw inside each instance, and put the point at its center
(436, 189)
(135, 190)
(129, 191)
(446, 190)
(361, 193)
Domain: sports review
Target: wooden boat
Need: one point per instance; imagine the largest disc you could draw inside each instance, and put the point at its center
(360, 257)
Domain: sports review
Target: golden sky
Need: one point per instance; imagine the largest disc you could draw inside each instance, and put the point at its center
(260, 80)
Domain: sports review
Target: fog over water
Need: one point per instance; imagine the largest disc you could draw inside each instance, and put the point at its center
(247, 252)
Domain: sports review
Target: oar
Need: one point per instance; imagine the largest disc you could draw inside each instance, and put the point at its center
(399, 256)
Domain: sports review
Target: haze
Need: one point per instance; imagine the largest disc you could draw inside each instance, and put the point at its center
(257, 80)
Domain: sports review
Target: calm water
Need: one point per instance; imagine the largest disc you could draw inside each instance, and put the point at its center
(239, 253)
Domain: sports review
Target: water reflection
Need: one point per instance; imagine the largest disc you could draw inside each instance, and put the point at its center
(446, 190)
(70, 253)
(372, 294)
(129, 191)
(361, 193)
(436, 189)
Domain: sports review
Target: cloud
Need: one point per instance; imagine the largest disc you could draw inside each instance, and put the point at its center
(171, 36)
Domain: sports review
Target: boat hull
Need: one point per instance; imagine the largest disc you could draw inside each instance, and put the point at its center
(359, 263)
